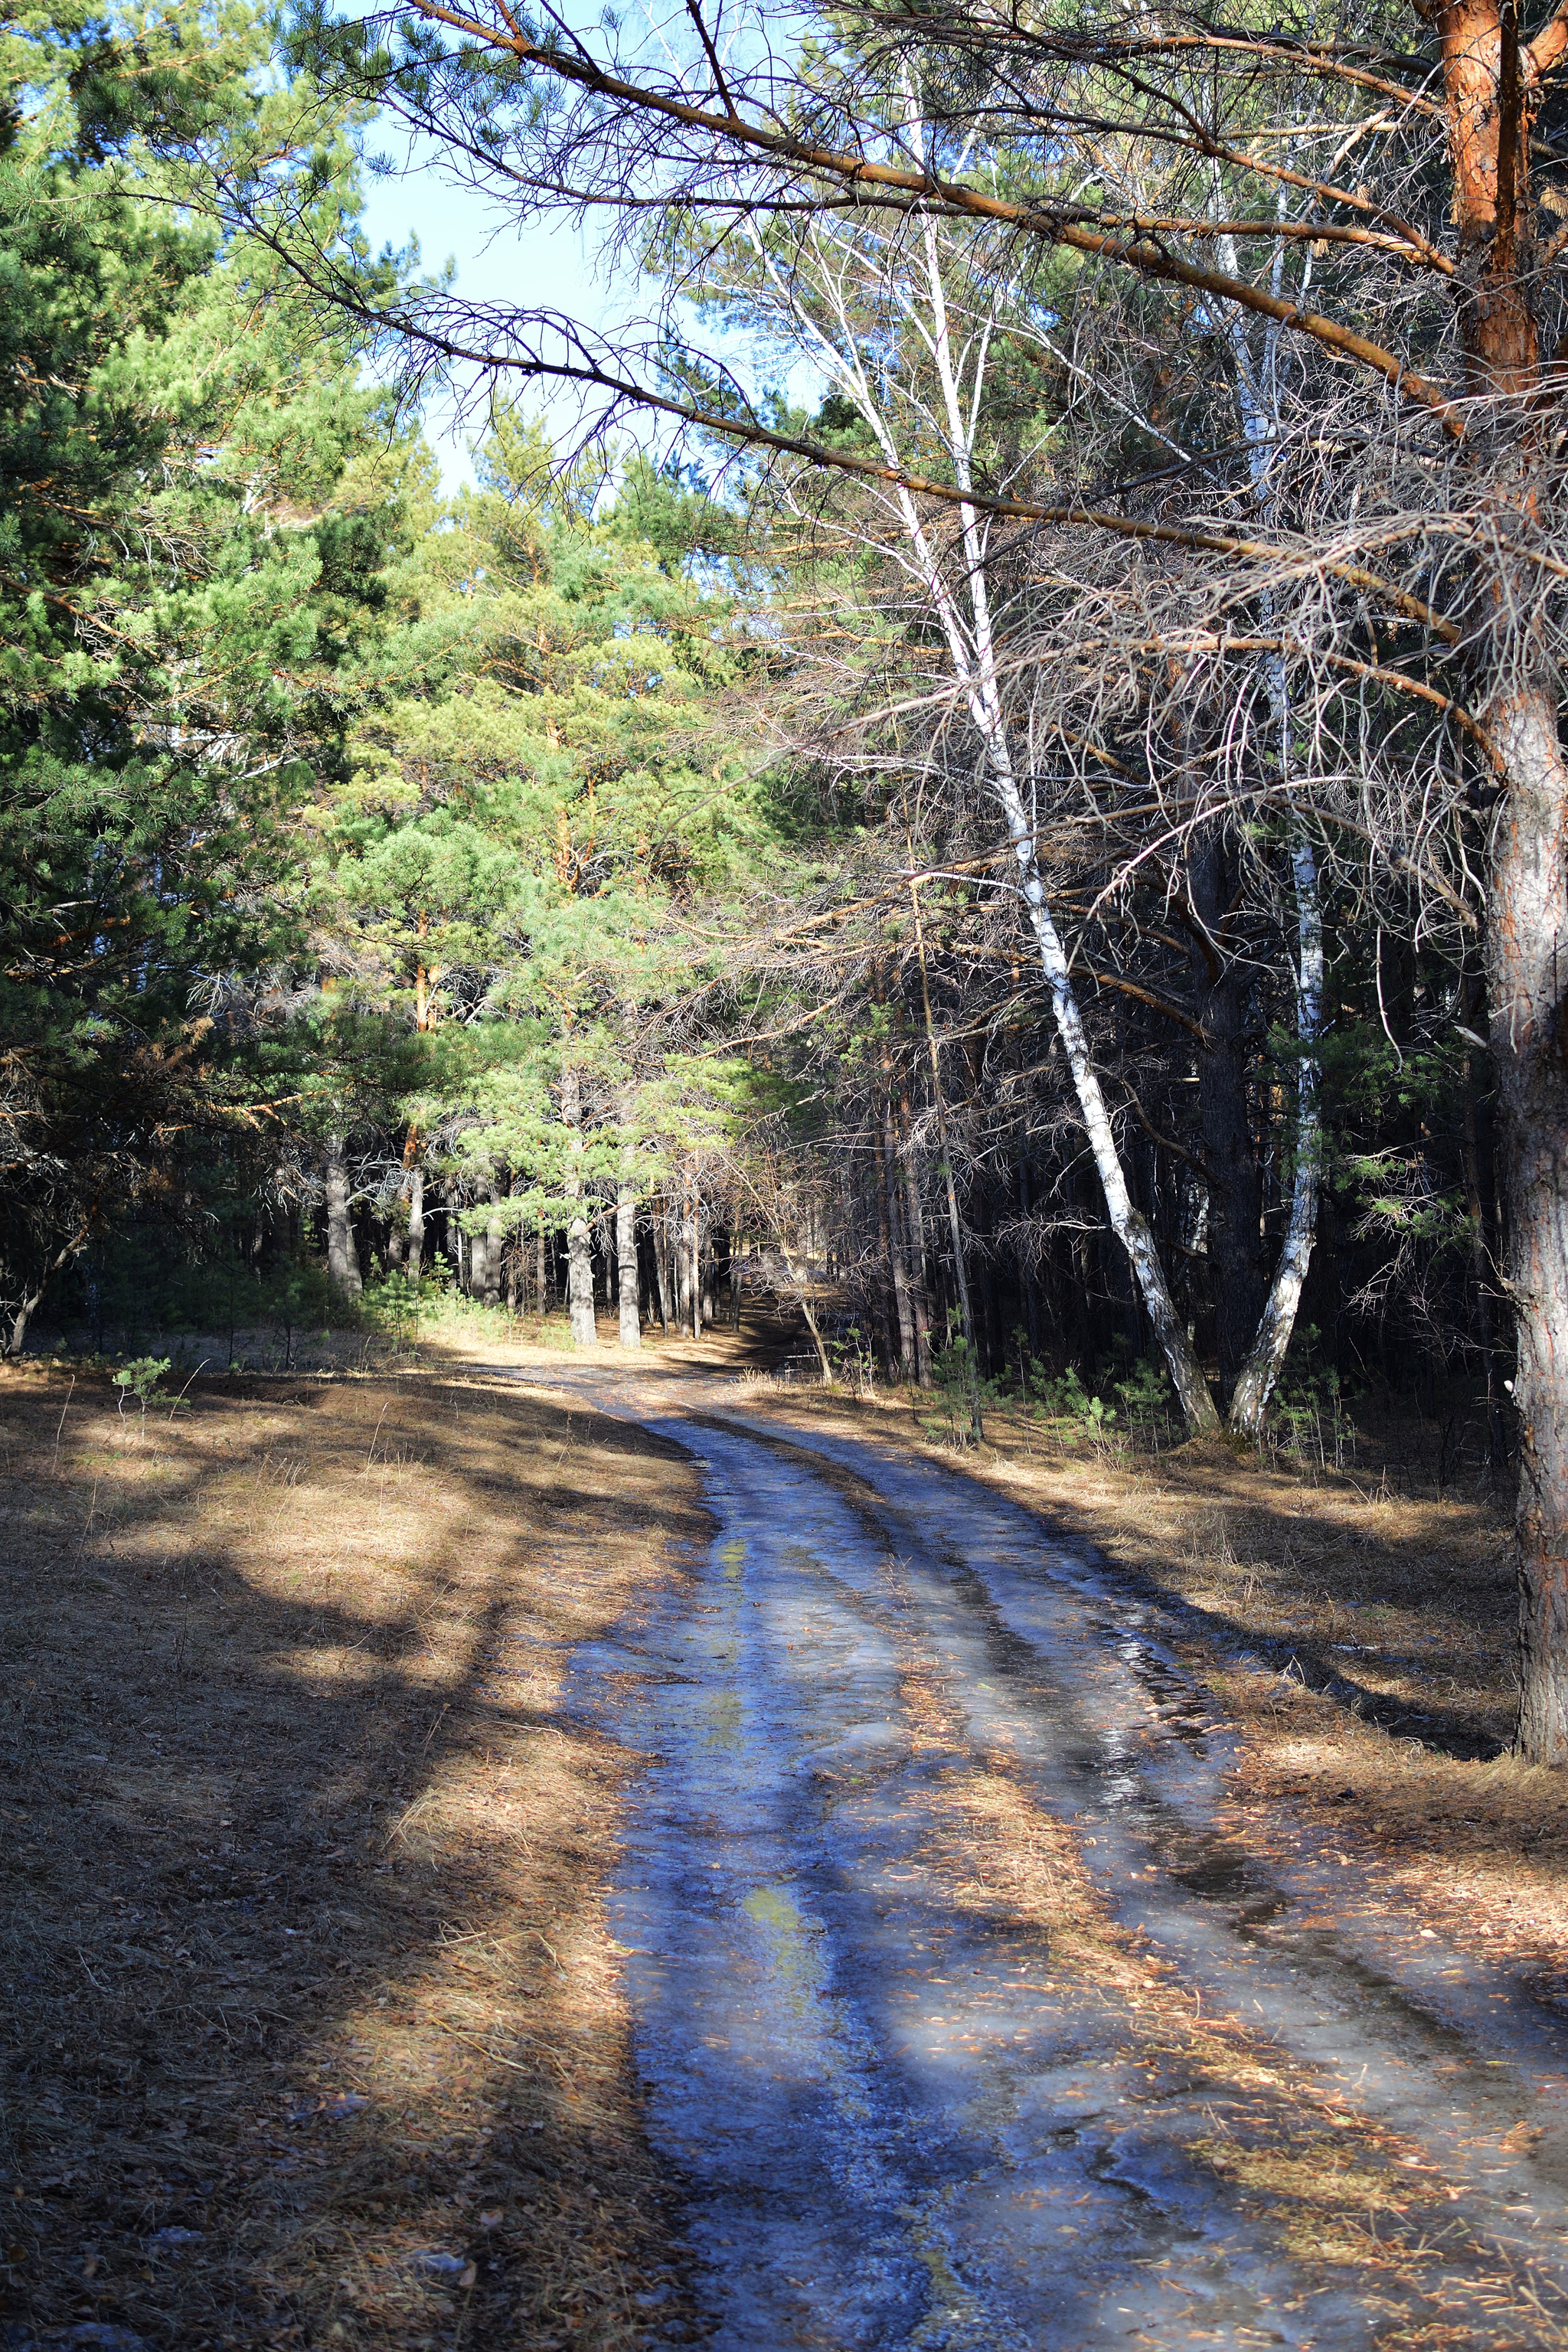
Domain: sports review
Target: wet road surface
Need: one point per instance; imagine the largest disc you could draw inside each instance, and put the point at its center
(965, 2014)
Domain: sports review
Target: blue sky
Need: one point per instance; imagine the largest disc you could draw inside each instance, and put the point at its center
(545, 266)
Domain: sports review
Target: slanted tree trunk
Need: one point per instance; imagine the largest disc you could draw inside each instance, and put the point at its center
(343, 1258)
(1256, 391)
(626, 1265)
(1255, 1382)
(14, 1333)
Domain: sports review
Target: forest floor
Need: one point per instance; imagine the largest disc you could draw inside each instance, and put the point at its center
(314, 2035)
(318, 2033)
(1356, 1626)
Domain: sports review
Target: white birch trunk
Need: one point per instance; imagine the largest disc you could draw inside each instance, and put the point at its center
(963, 608)
(1277, 1324)
(1265, 1357)
(975, 653)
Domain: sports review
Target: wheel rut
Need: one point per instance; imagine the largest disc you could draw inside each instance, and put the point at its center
(963, 2013)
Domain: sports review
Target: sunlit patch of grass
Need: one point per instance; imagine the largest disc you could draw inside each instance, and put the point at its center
(303, 1882)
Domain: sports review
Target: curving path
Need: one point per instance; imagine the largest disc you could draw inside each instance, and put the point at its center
(965, 2011)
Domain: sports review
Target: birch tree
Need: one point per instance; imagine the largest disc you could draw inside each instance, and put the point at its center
(1414, 567)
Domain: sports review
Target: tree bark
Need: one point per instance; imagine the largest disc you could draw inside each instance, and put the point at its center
(580, 1283)
(667, 1305)
(478, 1264)
(903, 1301)
(1528, 992)
(579, 1252)
(1230, 1157)
(920, 1298)
(1491, 82)
(1254, 1382)
(692, 1295)
(415, 1221)
(495, 1246)
(960, 1275)
(342, 1259)
(626, 1262)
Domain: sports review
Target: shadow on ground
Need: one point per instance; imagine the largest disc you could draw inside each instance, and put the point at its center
(314, 2037)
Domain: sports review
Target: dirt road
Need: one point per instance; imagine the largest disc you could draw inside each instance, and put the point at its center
(969, 2012)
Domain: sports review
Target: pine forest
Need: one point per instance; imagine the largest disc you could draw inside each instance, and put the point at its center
(942, 814)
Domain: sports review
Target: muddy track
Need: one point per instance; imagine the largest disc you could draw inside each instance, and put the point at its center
(966, 2010)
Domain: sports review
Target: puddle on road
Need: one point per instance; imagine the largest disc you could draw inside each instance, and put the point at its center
(900, 2118)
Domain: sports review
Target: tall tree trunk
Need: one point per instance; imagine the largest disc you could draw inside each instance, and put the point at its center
(960, 1273)
(494, 1248)
(1230, 1157)
(415, 1221)
(478, 1265)
(1491, 81)
(692, 1295)
(1128, 1224)
(343, 1258)
(653, 1269)
(668, 1304)
(1254, 1382)
(1258, 407)
(579, 1250)
(580, 1283)
(915, 1218)
(1527, 978)
(903, 1299)
(626, 1259)
(973, 645)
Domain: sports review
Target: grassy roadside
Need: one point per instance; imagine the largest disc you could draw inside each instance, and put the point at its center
(1381, 1620)
(314, 2035)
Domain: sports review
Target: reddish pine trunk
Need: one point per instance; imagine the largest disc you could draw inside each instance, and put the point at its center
(1490, 83)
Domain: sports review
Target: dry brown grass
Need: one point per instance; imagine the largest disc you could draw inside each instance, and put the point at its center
(306, 1967)
(1357, 2208)
(1395, 1608)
